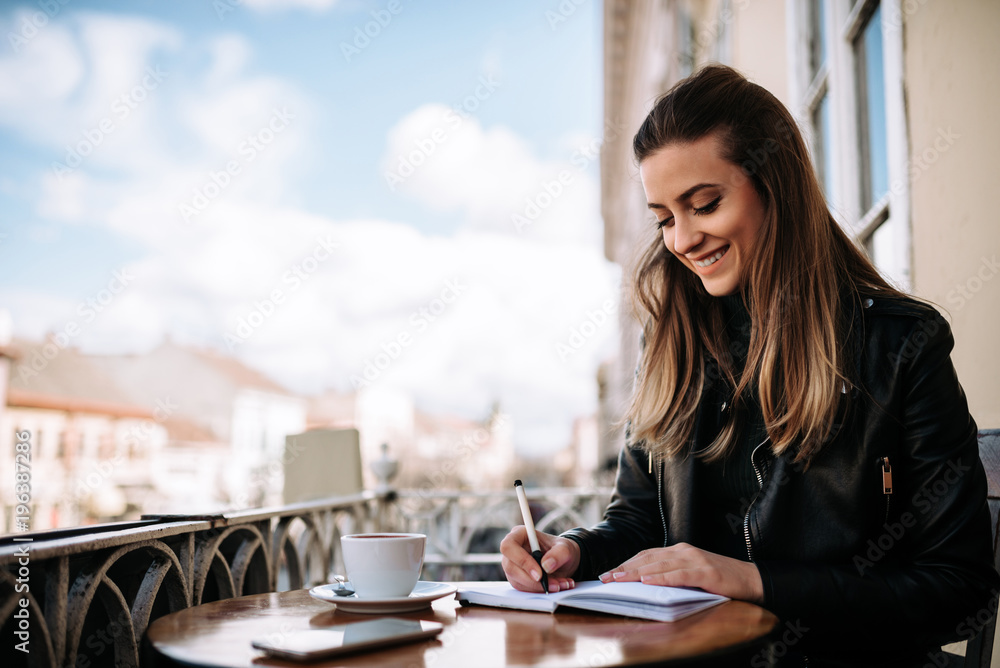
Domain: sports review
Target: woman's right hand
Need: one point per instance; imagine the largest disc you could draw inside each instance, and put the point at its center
(560, 559)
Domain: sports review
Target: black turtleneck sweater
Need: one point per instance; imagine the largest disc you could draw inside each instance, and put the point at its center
(728, 486)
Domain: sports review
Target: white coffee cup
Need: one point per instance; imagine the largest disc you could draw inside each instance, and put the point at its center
(383, 565)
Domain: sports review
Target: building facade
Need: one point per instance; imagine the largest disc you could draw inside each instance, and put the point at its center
(894, 97)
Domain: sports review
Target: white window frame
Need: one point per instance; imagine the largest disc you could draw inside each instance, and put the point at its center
(886, 225)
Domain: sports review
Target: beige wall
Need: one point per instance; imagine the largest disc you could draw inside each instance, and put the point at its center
(759, 49)
(952, 81)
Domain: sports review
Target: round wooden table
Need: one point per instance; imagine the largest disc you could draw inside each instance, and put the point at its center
(219, 634)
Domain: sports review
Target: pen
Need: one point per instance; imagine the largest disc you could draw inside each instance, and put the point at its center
(536, 551)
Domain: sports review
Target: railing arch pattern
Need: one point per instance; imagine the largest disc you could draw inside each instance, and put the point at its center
(93, 591)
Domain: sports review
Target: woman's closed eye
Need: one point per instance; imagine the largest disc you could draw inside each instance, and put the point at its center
(697, 211)
(708, 208)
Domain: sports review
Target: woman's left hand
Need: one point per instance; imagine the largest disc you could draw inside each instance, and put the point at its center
(683, 565)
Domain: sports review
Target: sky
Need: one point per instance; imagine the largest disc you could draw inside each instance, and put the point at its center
(341, 194)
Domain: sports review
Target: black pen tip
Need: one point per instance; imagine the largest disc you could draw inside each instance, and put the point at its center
(517, 483)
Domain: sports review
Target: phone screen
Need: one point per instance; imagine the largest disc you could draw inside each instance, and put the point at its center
(310, 644)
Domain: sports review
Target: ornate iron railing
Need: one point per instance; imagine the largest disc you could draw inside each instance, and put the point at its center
(84, 597)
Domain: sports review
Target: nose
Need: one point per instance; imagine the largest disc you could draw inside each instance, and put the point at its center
(687, 236)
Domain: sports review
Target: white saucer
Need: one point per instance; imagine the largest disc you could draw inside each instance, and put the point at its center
(419, 598)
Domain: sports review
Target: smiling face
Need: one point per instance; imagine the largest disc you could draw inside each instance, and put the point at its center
(707, 208)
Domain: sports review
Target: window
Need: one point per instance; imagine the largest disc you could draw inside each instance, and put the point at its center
(871, 111)
(847, 74)
(817, 97)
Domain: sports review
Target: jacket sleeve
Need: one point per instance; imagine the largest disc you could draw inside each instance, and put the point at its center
(632, 521)
(935, 578)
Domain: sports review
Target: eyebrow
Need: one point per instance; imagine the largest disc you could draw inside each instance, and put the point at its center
(686, 195)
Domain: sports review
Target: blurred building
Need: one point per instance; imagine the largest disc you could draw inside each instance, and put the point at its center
(433, 451)
(229, 420)
(93, 449)
(896, 100)
(176, 431)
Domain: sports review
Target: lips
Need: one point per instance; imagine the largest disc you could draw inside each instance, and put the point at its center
(711, 258)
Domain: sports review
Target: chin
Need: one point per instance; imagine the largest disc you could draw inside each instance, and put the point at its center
(717, 290)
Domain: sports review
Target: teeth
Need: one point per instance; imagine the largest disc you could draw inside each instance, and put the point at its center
(711, 259)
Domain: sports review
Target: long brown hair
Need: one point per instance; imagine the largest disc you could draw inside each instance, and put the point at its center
(802, 272)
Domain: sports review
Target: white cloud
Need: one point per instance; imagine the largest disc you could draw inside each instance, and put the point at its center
(450, 162)
(65, 80)
(522, 292)
(380, 303)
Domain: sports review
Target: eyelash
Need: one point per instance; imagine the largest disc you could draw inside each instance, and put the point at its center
(705, 210)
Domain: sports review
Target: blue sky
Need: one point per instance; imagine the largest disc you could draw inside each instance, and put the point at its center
(226, 141)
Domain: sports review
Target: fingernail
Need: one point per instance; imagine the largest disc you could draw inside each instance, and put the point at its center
(549, 565)
(604, 577)
(618, 576)
(535, 575)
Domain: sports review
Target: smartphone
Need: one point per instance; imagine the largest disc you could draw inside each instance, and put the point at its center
(312, 644)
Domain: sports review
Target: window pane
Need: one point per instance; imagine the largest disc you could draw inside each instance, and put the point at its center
(871, 97)
(817, 36)
(822, 142)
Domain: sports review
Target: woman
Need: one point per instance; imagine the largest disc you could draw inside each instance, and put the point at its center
(797, 436)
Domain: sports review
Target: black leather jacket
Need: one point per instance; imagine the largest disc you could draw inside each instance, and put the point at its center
(871, 572)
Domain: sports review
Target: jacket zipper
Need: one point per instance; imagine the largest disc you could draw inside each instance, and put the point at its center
(659, 498)
(886, 484)
(760, 483)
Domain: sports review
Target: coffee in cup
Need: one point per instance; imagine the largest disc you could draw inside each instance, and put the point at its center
(383, 565)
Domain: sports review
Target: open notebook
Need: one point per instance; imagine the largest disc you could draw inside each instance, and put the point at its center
(629, 599)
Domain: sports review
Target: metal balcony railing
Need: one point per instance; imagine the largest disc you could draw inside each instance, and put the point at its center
(84, 597)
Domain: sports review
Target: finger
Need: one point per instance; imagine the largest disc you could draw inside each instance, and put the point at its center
(518, 577)
(556, 557)
(515, 538)
(514, 547)
(628, 566)
(642, 558)
(561, 584)
(683, 577)
(661, 566)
